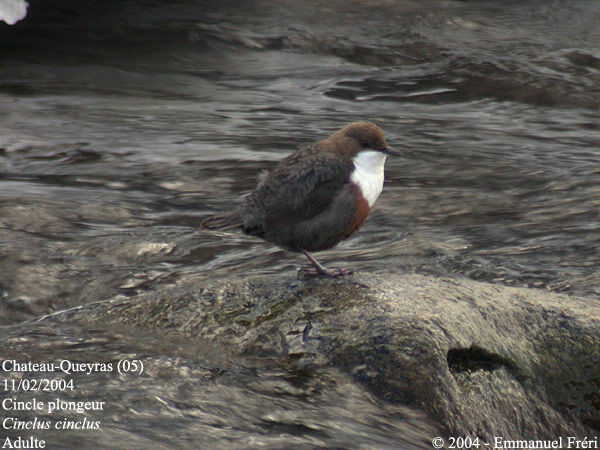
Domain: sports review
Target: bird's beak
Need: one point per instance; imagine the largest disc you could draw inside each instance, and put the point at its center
(390, 151)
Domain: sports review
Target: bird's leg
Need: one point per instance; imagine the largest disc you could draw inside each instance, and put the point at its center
(319, 270)
(318, 267)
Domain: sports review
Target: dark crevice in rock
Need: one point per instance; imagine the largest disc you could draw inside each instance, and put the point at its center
(592, 423)
(476, 358)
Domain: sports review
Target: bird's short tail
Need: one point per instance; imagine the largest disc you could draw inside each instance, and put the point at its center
(223, 221)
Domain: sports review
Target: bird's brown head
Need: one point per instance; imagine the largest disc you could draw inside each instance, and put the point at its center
(357, 137)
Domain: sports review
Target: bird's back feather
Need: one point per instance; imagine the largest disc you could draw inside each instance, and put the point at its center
(301, 187)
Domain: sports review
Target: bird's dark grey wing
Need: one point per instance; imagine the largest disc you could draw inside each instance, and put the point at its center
(301, 187)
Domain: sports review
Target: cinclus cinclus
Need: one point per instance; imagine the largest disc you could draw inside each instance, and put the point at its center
(317, 196)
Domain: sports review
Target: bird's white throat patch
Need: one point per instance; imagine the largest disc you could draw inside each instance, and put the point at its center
(368, 174)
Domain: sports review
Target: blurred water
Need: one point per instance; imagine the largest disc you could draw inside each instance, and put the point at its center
(122, 125)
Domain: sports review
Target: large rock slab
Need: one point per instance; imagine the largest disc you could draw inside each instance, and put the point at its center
(480, 359)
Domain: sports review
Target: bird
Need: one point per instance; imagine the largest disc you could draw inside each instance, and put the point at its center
(315, 197)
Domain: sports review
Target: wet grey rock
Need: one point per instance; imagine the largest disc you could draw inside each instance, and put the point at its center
(21, 302)
(480, 359)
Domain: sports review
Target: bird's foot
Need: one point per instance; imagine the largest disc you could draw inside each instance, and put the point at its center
(311, 272)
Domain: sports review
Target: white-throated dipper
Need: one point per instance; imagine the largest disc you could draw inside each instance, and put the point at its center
(317, 196)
